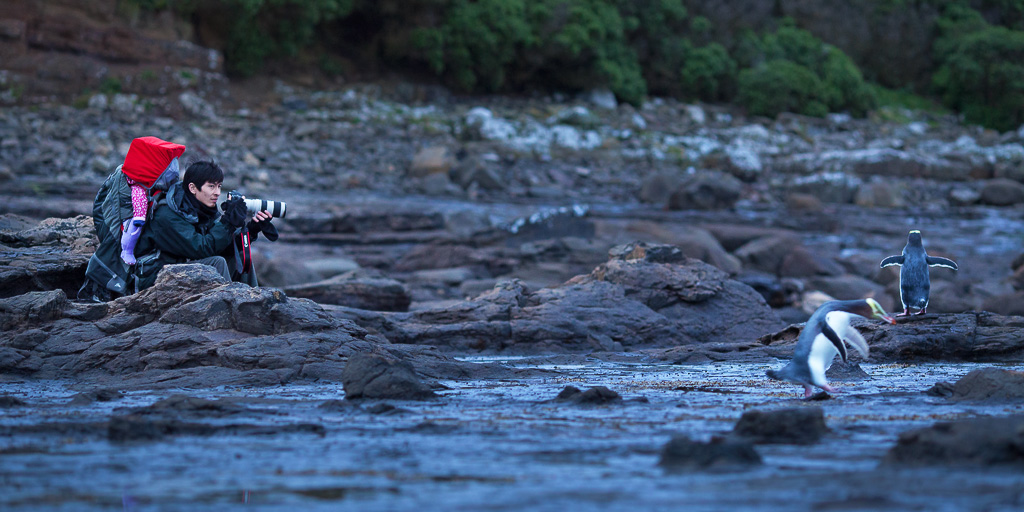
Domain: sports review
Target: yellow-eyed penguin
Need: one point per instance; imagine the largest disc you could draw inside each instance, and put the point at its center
(915, 284)
(822, 338)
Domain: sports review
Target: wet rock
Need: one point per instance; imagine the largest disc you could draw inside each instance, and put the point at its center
(598, 395)
(645, 295)
(386, 409)
(846, 371)
(984, 385)
(709, 191)
(8, 401)
(802, 262)
(683, 454)
(184, 405)
(970, 442)
(96, 395)
(431, 160)
(356, 289)
(799, 425)
(141, 428)
(31, 308)
(1002, 192)
(1005, 304)
(766, 253)
(879, 195)
(952, 337)
(370, 375)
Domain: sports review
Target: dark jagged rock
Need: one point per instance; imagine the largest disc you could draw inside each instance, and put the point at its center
(984, 385)
(96, 395)
(681, 454)
(980, 337)
(645, 295)
(371, 375)
(970, 442)
(138, 428)
(193, 329)
(798, 425)
(597, 395)
(848, 371)
(8, 401)
(357, 290)
(49, 256)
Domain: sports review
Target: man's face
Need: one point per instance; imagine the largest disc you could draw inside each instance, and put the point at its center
(207, 195)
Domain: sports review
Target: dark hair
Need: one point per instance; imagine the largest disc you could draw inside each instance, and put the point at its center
(201, 172)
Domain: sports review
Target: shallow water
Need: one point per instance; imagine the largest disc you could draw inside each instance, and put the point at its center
(502, 445)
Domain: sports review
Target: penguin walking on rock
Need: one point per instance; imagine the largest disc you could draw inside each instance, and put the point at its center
(825, 335)
(915, 284)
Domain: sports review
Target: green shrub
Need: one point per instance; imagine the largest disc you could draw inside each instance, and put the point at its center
(709, 74)
(983, 77)
(477, 42)
(837, 85)
(781, 86)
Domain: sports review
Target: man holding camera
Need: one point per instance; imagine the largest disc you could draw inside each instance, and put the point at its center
(186, 227)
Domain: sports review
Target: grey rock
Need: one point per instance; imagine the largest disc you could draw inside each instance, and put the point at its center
(799, 425)
(371, 375)
(989, 385)
(970, 442)
(683, 454)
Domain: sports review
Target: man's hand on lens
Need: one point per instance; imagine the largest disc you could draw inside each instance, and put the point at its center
(261, 223)
(234, 212)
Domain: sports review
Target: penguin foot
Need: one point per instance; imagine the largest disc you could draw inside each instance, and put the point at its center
(808, 391)
(828, 388)
(924, 311)
(906, 312)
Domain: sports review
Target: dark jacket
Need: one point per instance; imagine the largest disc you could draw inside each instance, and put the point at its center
(176, 235)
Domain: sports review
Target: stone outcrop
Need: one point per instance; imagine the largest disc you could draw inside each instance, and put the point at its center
(192, 328)
(800, 425)
(978, 337)
(684, 454)
(992, 385)
(970, 442)
(644, 296)
(51, 255)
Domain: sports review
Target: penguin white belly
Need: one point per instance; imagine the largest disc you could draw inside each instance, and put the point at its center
(820, 358)
(823, 352)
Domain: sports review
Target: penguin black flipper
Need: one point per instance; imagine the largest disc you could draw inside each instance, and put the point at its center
(829, 333)
(935, 261)
(891, 260)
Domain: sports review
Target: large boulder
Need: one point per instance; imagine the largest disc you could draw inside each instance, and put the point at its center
(51, 255)
(799, 425)
(970, 442)
(372, 375)
(984, 385)
(644, 296)
(192, 328)
(357, 289)
(977, 337)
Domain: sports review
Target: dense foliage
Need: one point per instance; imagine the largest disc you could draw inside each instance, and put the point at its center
(632, 48)
(981, 72)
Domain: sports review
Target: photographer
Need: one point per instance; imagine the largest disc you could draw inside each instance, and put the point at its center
(186, 227)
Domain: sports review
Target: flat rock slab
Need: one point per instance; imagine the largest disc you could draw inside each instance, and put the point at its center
(971, 442)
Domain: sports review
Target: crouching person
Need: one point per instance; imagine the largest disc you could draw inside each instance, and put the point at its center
(187, 228)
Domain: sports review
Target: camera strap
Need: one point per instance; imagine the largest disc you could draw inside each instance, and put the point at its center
(243, 251)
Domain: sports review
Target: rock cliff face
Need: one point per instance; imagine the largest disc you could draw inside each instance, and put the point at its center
(59, 48)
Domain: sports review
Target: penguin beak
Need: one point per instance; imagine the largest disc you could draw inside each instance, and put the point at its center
(878, 312)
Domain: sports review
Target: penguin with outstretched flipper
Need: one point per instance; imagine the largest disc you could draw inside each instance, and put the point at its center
(823, 337)
(915, 284)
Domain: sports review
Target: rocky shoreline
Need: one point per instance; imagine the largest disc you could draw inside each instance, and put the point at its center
(446, 271)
